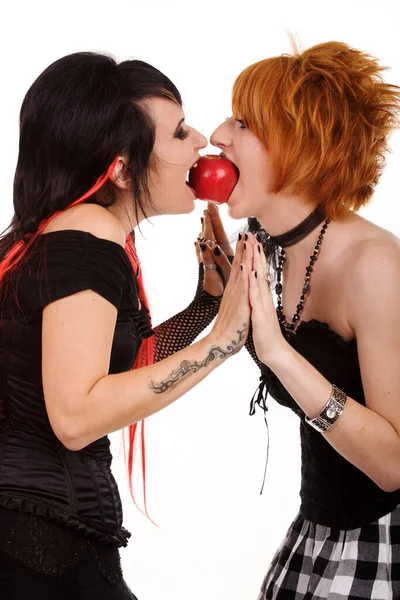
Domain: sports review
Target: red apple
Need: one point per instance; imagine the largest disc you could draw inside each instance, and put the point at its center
(213, 178)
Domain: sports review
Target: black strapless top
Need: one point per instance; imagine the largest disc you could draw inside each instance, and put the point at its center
(41, 481)
(333, 492)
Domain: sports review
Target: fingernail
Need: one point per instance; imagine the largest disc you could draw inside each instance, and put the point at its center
(255, 274)
(258, 238)
(246, 237)
(202, 220)
(241, 267)
(203, 247)
(239, 237)
(259, 249)
(195, 243)
(244, 246)
(217, 251)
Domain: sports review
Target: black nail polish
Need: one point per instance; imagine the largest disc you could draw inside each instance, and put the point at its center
(246, 237)
(241, 267)
(239, 237)
(258, 238)
(259, 249)
(244, 246)
(203, 247)
(217, 251)
(202, 220)
(255, 274)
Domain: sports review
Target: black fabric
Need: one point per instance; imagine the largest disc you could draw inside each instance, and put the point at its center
(82, 582)
(333, 491)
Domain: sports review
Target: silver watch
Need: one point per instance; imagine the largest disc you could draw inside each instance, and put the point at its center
(331, 411)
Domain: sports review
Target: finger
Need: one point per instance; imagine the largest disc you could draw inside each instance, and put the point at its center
(219, 230)
(244, 292)
(198, 252)
(237, 259)
(248, 251)
(212, 281)
(264, 262)
(222, 262)
(208, 227)
(255, 295)
(262, 274)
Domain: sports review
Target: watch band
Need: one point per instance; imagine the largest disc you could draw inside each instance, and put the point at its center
(331, 411)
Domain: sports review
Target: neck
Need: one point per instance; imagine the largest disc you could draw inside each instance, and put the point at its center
(284, 211)
(125, 214)
(291, 223)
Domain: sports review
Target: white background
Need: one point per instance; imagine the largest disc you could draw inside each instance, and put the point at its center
(206, 457)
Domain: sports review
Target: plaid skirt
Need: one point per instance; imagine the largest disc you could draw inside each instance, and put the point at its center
(316, 562)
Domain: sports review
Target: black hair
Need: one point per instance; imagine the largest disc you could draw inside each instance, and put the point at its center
(79, 114)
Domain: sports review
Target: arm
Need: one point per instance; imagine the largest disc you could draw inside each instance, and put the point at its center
(83, 402)
(367, 436)
(183, 328)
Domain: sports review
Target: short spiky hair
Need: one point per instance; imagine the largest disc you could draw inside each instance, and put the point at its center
(324, 116)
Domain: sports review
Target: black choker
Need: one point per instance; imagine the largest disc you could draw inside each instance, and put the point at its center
(301, 231)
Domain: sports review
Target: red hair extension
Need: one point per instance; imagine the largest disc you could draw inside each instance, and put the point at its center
(145, 356)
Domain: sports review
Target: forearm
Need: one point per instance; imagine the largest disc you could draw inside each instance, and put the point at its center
(360, 435)
(182, 329)
(118, 400)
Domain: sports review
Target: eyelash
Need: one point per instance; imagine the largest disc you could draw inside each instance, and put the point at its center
(237, 121)
(181, 134)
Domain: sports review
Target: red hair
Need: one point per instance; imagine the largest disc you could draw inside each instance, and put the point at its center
(18, 253)
(324, 116)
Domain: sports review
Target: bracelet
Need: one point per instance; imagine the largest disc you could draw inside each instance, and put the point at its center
(331, 411)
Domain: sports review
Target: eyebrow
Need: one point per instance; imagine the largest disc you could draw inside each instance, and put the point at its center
(179, 124)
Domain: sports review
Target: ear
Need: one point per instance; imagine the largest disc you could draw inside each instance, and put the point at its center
(121, 175)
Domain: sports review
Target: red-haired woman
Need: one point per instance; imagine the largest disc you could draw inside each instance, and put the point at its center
(102, 146)
(309, 135)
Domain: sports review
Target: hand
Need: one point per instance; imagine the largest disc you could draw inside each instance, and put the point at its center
(232, 323)
(213, 251)
(267, 336)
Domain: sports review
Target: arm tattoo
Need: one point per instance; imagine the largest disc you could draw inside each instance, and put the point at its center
(187, 367)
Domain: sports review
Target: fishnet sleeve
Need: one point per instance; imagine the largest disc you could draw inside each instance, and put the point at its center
(182, 329)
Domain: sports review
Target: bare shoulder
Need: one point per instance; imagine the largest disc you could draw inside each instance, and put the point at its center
(377, 255)
(91, 218)
(372, 279)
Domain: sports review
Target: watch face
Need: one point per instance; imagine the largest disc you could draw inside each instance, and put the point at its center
(331, 412)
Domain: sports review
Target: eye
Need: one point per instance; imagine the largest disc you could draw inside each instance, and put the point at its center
(181, 134)
(240, 124)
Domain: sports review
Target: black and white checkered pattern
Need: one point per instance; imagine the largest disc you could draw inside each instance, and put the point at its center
(316, 562)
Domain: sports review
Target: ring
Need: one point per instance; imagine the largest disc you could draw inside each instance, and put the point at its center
(210, 267)
(211, 242)
(202, 238)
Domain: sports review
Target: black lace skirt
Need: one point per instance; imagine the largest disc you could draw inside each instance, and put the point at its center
(42, 559)
(82, 582)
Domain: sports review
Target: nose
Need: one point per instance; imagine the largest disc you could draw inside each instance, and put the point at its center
(220, 137)
(200, 141)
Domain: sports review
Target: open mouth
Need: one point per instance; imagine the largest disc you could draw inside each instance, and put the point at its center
(194, 165)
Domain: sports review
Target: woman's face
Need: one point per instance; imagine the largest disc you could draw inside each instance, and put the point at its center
(176, 150)
(245, 150)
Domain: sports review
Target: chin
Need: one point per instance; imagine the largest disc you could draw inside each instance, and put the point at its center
(237, 212)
